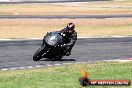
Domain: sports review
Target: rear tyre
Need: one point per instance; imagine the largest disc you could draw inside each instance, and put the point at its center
(38, 54)
(59, 57)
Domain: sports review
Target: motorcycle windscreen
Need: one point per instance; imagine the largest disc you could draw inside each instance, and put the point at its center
(53, 38)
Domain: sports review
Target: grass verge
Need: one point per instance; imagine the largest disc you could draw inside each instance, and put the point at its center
(65, 76)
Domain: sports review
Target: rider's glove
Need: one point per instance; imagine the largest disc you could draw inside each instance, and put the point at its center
(62, 34)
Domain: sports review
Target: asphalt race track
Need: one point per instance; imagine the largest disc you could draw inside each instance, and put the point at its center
(44, 1)
(19, 53)
(64, 16)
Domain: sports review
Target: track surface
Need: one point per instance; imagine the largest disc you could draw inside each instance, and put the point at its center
(19, 53)
(44, 1)
(64, 16)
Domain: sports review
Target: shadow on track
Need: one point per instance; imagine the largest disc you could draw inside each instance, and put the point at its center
(68, 60)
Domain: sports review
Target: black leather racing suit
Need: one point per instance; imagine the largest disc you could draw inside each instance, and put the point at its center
(69, 39)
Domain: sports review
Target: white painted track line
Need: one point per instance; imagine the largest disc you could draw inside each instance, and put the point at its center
(63, 64)
(77, 37)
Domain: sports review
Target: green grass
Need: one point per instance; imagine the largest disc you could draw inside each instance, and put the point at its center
(65, 76)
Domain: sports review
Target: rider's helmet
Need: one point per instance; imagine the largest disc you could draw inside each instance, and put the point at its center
(70, 27)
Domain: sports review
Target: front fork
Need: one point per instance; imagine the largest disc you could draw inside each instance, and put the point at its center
(46, 51)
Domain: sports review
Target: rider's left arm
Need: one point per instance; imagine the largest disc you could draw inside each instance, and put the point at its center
(73, 39)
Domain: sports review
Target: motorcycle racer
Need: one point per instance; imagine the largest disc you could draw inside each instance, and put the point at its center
(70, 36)
(57, 44)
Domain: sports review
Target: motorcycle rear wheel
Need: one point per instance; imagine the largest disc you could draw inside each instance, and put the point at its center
(59, 57)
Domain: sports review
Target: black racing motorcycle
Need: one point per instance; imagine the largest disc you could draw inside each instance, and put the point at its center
(51, 47)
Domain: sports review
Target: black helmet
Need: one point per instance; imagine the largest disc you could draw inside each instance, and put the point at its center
(70, 27)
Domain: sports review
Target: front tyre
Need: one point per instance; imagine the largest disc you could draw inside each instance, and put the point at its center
(38, 54)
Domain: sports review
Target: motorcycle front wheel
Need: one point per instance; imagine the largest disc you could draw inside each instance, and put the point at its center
(38, 54)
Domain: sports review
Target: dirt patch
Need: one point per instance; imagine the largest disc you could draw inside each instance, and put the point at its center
(36, 28)
(63, 22)
(58, 9)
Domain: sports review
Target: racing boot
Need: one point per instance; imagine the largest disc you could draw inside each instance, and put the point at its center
(68, 53)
